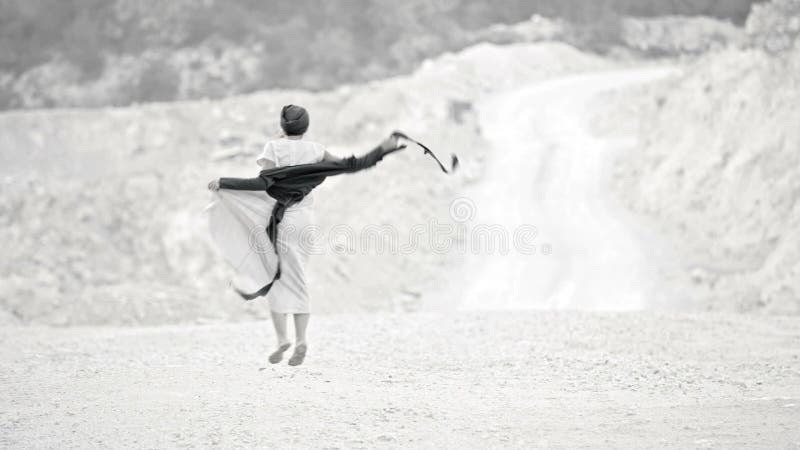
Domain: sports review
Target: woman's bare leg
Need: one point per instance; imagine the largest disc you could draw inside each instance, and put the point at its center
(300, 326)
(279, 322)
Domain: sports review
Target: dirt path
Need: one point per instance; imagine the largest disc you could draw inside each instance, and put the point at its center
(473, 380)
(548, 170)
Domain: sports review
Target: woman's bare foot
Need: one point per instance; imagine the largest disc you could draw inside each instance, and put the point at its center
(277, 355)
(299, 355)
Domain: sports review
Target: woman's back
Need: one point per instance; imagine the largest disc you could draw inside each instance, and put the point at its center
(292, 152)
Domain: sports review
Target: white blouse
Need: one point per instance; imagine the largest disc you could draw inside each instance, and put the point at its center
(291, 152)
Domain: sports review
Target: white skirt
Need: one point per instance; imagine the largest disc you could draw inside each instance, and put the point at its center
(238, 220)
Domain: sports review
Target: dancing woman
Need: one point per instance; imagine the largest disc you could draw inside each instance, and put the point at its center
(279, 202)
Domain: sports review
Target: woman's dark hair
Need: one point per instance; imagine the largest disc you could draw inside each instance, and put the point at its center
(294, 120)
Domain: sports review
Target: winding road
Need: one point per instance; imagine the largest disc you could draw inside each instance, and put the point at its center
(548, 171)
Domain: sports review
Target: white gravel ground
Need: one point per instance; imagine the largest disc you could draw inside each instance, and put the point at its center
(470, 380)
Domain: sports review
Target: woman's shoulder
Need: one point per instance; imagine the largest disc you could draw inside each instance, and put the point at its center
(295, 151)
(313, 144)
(292, 143)
(317, 151)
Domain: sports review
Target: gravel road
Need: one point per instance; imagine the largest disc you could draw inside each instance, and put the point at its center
(468, 380)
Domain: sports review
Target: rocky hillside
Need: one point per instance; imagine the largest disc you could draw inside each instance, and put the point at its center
(719, 169)
(101, 209)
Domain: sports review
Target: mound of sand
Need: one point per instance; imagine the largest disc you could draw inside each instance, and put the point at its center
(718, 172)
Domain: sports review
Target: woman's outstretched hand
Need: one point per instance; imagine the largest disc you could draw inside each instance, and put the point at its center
(213, 185)
(390, 143)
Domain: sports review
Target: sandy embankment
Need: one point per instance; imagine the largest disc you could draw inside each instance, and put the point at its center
(535, 379)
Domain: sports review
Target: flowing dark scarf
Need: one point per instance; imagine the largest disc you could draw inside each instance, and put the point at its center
(291, 184)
